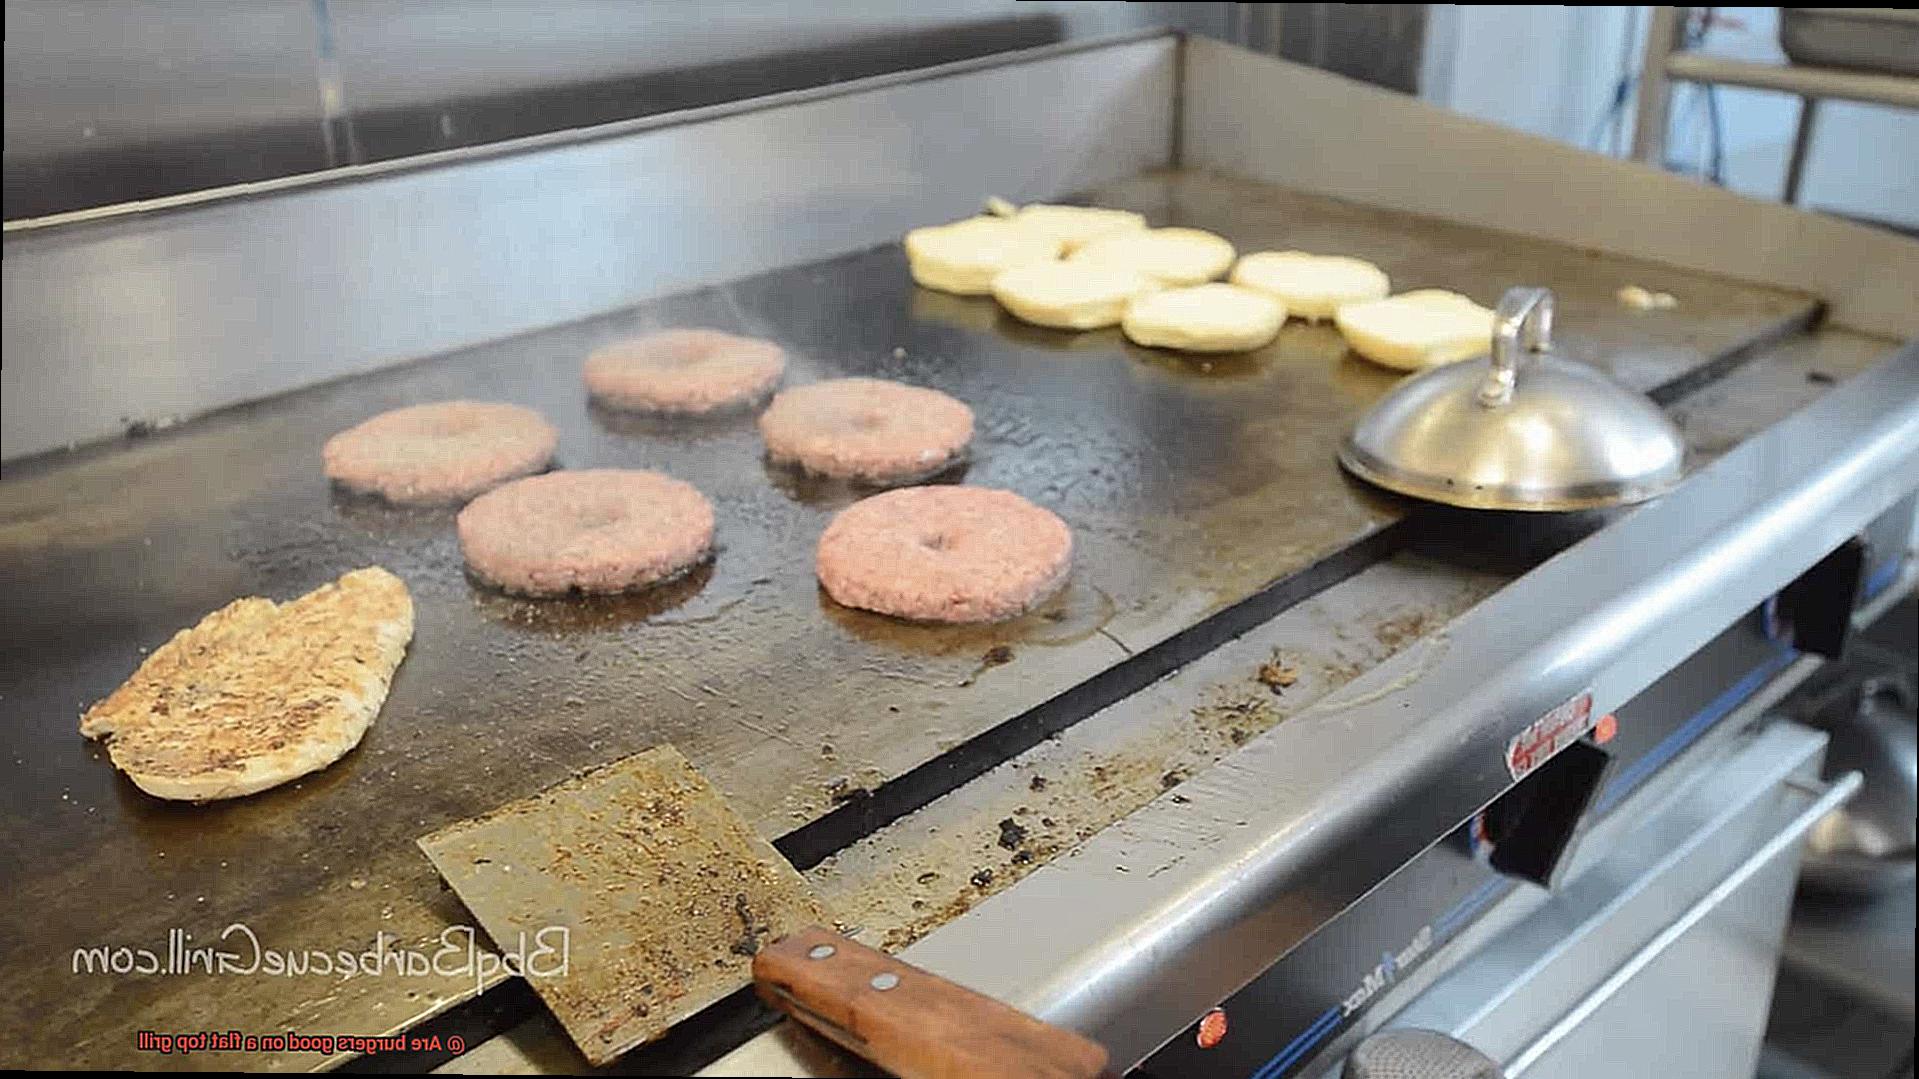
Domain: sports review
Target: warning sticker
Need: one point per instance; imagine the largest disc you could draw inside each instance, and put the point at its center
(1549, 734)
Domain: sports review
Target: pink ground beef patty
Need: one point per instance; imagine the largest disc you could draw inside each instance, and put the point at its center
(440, 453)
(945, 554)
(866, 429)
(686, 370)
(593, 531)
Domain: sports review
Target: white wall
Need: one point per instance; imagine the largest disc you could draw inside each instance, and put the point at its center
(1551, 71)
(1543, 69)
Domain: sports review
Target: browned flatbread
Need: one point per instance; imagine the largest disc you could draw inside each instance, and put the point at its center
(259, 692)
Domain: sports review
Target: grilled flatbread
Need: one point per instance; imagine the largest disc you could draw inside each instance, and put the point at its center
(258, 693)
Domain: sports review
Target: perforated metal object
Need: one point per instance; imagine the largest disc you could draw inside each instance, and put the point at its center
(1418, 1054)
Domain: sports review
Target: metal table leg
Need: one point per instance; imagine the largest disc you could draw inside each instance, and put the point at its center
(1801, 143)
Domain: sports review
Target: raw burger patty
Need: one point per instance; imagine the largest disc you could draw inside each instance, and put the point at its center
(684, 371)
(592, 531)
(258, 693)
(945, 554)
(445, 452)
(866, 429)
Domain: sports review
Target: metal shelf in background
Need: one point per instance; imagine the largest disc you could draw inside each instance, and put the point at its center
(1666, 64)
(1808, 82)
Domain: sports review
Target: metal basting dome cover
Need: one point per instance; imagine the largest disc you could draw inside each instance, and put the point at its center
(1521, 429)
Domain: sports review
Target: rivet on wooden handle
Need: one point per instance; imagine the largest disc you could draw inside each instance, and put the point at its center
(912, 1023)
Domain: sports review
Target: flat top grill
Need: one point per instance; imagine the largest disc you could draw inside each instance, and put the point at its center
(1193, 489)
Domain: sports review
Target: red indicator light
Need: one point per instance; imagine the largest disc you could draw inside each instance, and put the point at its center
(1212, 1028)
(1603, 730)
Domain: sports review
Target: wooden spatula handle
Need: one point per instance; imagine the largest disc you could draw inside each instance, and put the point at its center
(913, 1024)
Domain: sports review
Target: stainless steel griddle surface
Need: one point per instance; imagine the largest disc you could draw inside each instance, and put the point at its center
(1190, 487)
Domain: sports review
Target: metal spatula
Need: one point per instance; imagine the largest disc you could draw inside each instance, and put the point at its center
(657, 892)
(669, 901)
